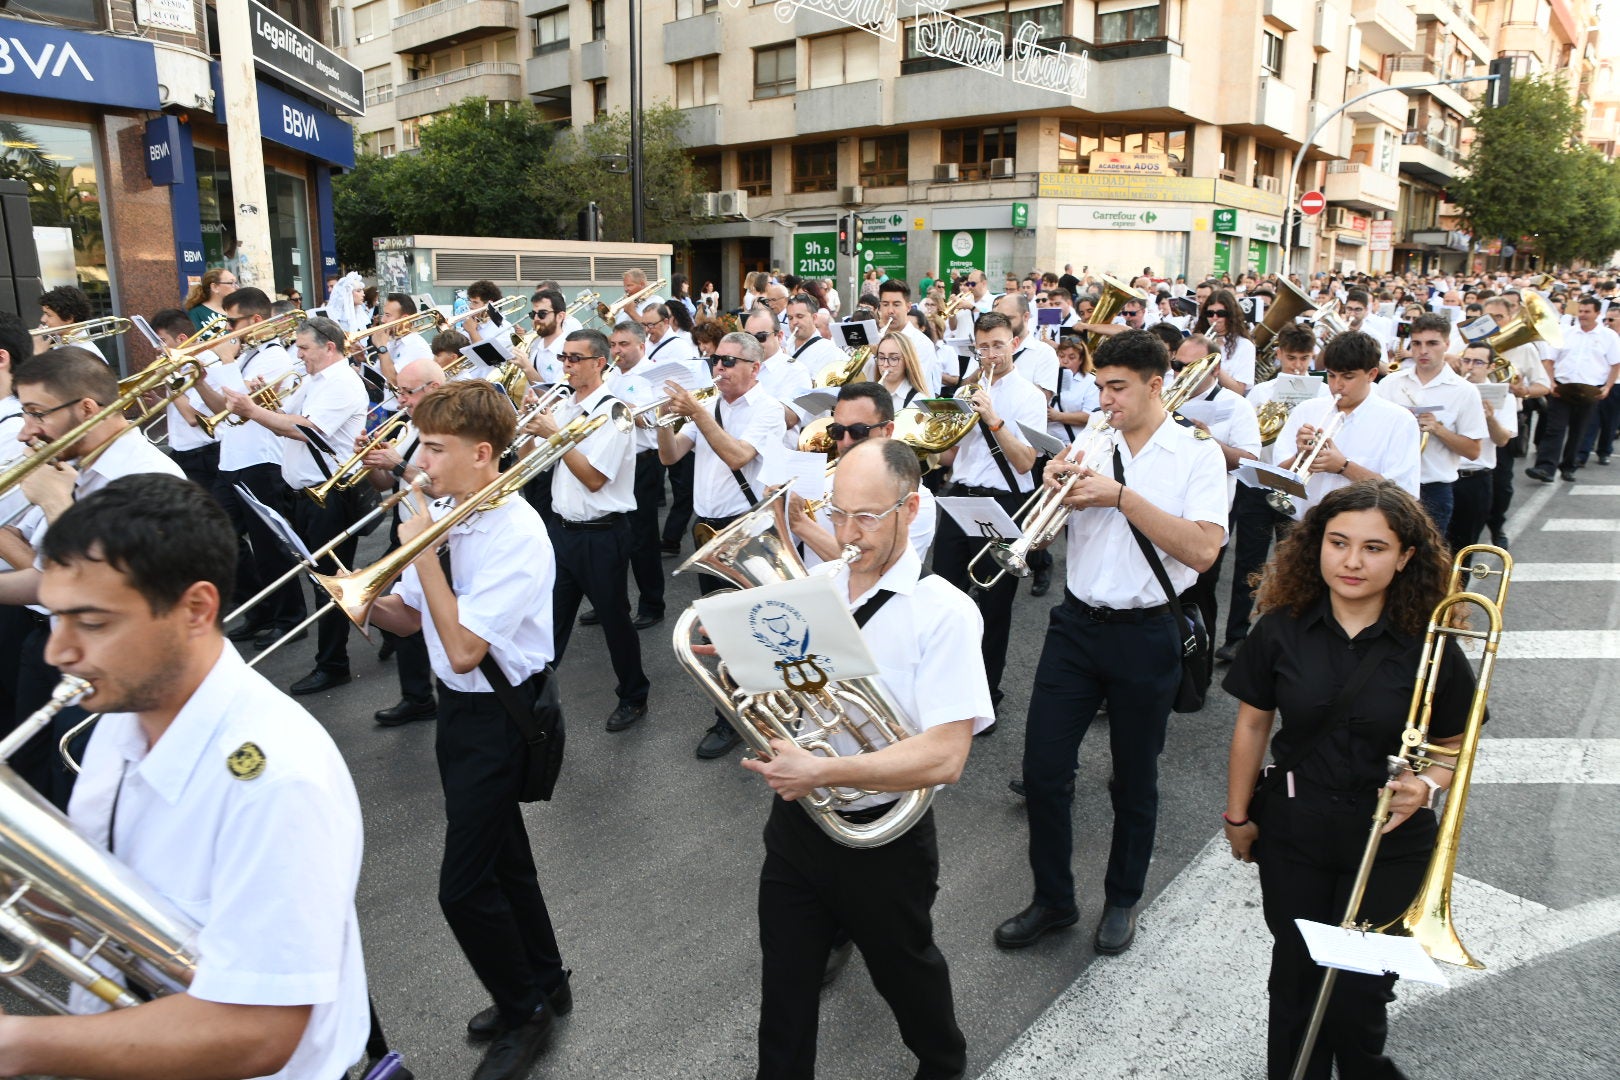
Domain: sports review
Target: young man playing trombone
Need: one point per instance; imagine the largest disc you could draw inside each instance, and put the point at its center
(485, 605)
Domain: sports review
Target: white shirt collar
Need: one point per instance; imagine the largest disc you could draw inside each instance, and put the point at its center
(168, 765)
(901, 578)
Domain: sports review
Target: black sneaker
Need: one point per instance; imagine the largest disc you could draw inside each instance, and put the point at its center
(588, 618)
(487, 1024)
(720, 740)
(514, 1052)
(1568, 475)
(1538, 473)
(1228, 652)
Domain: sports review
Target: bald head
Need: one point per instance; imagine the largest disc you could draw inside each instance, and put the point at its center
(416, 379)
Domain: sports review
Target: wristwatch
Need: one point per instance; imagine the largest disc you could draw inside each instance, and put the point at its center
(399, 470)
(1434, 790)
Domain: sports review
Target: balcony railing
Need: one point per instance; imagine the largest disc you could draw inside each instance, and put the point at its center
(1431, 143)
(1412, 62)
(412, 17)
(471, 71)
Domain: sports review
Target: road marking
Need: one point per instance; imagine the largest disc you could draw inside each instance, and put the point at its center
(1594, 571)
(1529, 509)
(1597, 525)
(1559, 645)
(1595, 489)
(1198, 969)
(1548, 761)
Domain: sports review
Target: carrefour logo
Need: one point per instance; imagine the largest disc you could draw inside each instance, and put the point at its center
(1124, 219)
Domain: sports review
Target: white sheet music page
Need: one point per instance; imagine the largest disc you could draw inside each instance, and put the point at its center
(1369, 953)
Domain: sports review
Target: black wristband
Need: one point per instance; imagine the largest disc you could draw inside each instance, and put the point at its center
(399, 470)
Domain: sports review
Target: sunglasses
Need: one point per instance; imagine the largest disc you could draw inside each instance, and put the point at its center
(854, 431)
(1216, 313)
(762, 336)
(728, 362)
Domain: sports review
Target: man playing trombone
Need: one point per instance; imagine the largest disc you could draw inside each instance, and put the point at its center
(328, 410)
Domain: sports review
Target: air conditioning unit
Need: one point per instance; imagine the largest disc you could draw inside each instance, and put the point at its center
(1001, 168)
(733, 204)
(854, 195)
(1338, 217)
(1268, 183)
(706, 205)
(947, 173)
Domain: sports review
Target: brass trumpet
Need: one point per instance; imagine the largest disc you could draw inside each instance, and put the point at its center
(1281, 501)
(351, 472)
(609, 313)
(672, 420)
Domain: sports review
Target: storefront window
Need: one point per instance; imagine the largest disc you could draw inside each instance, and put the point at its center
(291, 257)
(58, 164)
(1077, 141)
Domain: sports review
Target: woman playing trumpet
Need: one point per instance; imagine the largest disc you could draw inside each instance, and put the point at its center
(899, 369)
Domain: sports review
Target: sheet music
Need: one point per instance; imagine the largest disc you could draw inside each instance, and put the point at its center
(980, 515)
(677, 371)
(1369, 953)
(1494, 394)
(1290, 390)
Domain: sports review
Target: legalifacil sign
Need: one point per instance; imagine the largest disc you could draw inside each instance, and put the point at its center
(101, 69)
(286, 52)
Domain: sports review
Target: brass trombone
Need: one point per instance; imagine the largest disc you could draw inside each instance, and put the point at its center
(609, 313)
(585, 297)
(78, 333)
(553, 396)
(1428, 918)
(270, 395)
(351, 472)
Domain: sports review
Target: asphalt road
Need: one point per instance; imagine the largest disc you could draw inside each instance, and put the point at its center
(649, 861)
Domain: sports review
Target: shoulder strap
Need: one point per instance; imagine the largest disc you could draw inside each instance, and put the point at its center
(800, 350)
(498, 682)
(1000, 457)
(864, 613)
(1151, 555)
(736, 474)
(1335, 715)
(316, 445)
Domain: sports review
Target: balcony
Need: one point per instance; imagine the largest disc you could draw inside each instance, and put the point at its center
(1386, 107)
(1409, 69)
(495, 81)
(1292, 14)
(838, 108)
(688, 39)
(1455, 17)
(1155, 81)
(548, 71)
(437, 25)
(1427, 158)
(593, 61)
(700, 126)
(1389, 26)
(1274, 106)
(1362, 187)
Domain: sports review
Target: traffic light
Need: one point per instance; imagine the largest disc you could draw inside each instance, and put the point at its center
(846, 241)
(856, 232)
(1497, 95)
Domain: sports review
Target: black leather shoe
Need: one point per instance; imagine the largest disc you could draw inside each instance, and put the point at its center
(1041, 585)
(588, 618)
(625, 715)
(1603, 459)
(836, 961)
(1544, 475)
(513, 1053)
(318, 681)
(1026, 927)
(1016, 786)
(405, 711)
(642, 622)
(1567, 474)
(1116, 931)
(487, 1024)
(669, 551)
(1500, 539)
(247, 631)
(1227, 653)
(718, 741)
(269, 637)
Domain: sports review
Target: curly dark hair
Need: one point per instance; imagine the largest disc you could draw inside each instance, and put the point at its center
(1292, 580)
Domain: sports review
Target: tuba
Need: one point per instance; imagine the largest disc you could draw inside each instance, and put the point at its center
(1113, 298)
(1536, 321)
(60, 887)
(1287, 306)
(758, 549)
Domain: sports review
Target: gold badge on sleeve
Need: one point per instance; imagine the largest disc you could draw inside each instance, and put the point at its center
(246, 762)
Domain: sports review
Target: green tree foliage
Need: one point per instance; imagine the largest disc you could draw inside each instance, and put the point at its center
(1585, 224)
(360, 208)
(575, 174)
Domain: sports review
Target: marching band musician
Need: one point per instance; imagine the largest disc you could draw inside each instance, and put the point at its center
(1453, 437)
(1035, 359)
(398, 349)
(1255, 522)
(592, 497)
(1583, 372)
(811, 887)
(193, 449)
(1114, 638)
(1344, 604)
(991, 461)
(726, 443)
(806, 347)
(392, 465)
(250, 456)
(894, 307)
(327, 411)
(1471, 506)
(57, 391)
(664, 342)
(629, 384)
(1222, 319)
(202, 778)
(783, 376)
(546, 349)
(61, 306)
(1530, 384)
(1378, 439)
(899, 369)
(16, 621)
(634, 281)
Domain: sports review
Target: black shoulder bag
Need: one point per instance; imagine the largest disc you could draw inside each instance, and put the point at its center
(539, 719)
(1197, 664)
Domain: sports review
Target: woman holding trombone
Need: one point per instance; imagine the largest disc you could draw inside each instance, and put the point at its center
(1344, 603)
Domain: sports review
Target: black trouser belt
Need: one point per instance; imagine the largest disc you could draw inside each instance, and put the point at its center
(717, 523)
(1103, 614)
(606, 521)
(865, 815)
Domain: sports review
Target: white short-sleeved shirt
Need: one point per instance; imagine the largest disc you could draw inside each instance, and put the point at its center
(546, 358)
(182, 435)
(1037, 361)
(610, 451)
(927, 355)
(502, 572)
(265, 863)
(1076, 393)
(13, 501)
(335, 402)
(1526, 361)
(905, 394)
(671, 346)
(809, 358)
(408, 349)
(1240, 364)
(917, 639)
(632, 388)
(1587, 356)
(1378, 435)
(128, 454)
(754, 418)
(1231, 420)
(1017, 401)
(1508, 418)
(1259, 395)
(787, 379)
(244, 445)
(1181, 475)
(947, 361)
(1463, 414)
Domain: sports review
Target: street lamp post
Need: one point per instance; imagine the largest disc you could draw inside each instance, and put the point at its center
(638, 223)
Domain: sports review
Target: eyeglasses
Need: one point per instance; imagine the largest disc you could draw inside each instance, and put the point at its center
(890, 358)
(231, 284)
(414, 390)
(992, 349)
(865, 520)
(762, 336)
(1478, 361)
(858, 432)
(39, 417)
(567, 356)
(728, 362)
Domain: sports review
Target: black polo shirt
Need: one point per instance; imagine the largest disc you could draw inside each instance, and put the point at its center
(1299, 666)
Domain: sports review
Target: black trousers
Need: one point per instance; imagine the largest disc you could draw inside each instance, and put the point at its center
(40, 760)
(953, 550)
(316, 526)
(595, 563)
(1601, 431)
(1135, 667)
(261, 558)
(201, 465)
(811, 889)
(646, 559)
(1563, 425)
(489, 890)
(1502, 485)
(1308, 851)
(1254, 526)
(1470, 507)
(411, 651)
(680, 504)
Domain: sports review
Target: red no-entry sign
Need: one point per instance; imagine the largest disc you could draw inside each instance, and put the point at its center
(1312, 202)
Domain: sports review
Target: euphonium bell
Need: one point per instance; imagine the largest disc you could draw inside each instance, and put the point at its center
(1115, 294)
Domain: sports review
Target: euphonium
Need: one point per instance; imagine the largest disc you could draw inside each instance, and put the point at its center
(758, 549)
(60, 887)
(1428, 918)
(1287, 307)
(1273, 417)
(1115, 294)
